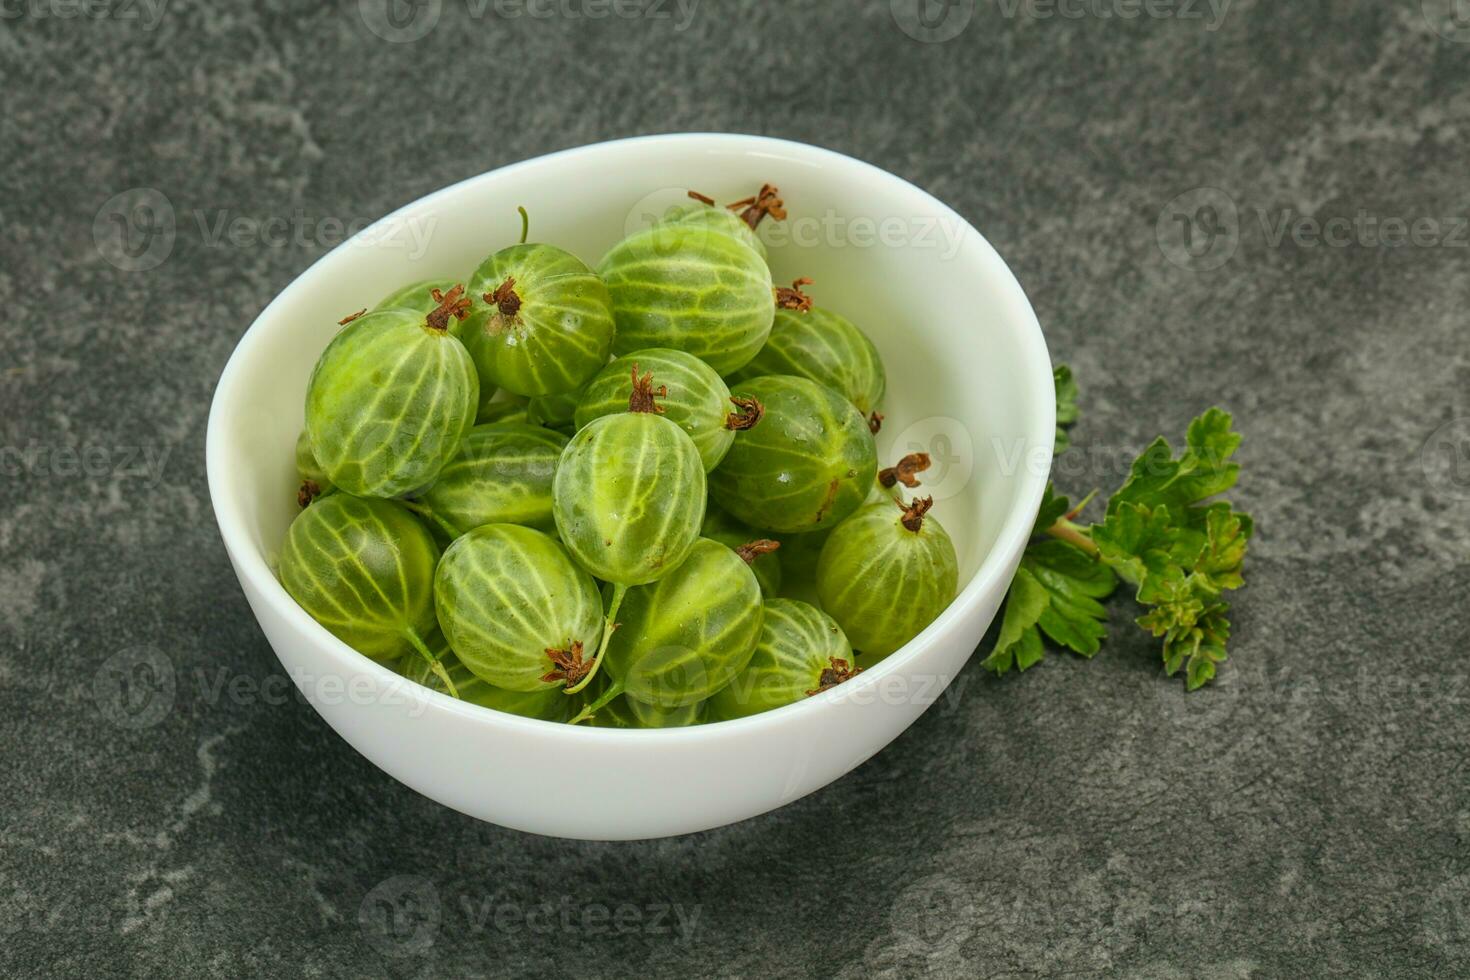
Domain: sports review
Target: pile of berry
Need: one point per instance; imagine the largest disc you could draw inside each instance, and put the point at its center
(560, 492)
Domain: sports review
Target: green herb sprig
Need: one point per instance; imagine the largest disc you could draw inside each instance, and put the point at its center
(1163, 533)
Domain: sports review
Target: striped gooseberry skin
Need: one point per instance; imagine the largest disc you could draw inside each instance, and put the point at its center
(797, 643)
(720, 526)
(501, 475)
(827, 348)
(552, 335)
(716, 219)
(884, 583)
(549, 704)
(388, 403)
(507, 594)
(629, 497)
(419, 297)
(364, 569)
(697, 401)
(681, 286)
(806, 466)
(684, 637)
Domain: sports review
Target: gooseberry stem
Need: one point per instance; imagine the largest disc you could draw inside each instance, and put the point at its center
(1065, 530)
(525, 224)
(607, 631)
(434, 664)
(602, 702)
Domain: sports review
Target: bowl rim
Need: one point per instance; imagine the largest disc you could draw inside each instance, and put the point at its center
(251, 565)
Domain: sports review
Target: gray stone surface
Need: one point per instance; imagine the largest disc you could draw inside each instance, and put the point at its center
(1309, 817)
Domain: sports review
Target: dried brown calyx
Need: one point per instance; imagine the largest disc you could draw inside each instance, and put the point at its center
(350, 317)
(702, 199)
(644, 394)
(567, 665)
(839, 671)
(504, 299)
(308, 492)
(905, 472)
(792, 298)
(913, 513)
(754, 549)
(747, 413)
(451, 304)
(875, 423)
(754, 209)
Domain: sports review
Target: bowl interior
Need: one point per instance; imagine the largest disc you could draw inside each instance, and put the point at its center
(968, 376)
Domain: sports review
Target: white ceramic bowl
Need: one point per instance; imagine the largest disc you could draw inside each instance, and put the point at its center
(969, 380)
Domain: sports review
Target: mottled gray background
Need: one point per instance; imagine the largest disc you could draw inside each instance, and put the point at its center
(1310, 816)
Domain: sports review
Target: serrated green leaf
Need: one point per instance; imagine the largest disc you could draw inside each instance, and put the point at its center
(1067, 412)
(1053, 509)
(1139, 542)
(1202, 471)
(1055, 592)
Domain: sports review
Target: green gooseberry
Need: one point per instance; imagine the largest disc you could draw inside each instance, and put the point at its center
(515, 609)
(364, 569)
(886, 573)
(691, 395)
(390, 399)
(702, 211)
(502, 475)
(628, 499)
(682, 638)
(549, 704)
(827, 348)
(314, 481)
(758, 552)
(801, 651)
(680, 286)
(546, 325)
(425, 296)
(807, 466)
